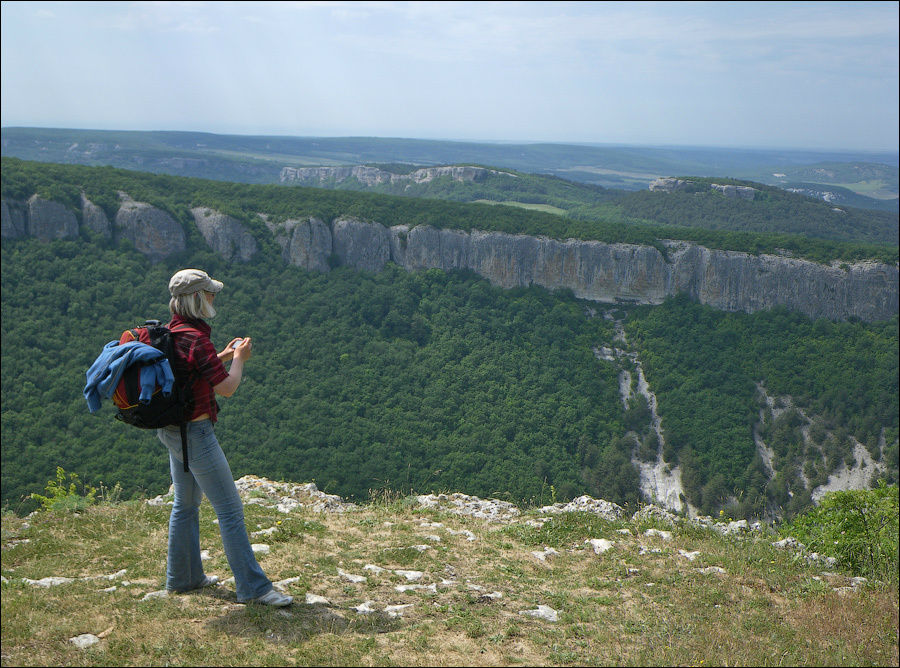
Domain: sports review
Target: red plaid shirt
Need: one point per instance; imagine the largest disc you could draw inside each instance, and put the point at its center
(195, 352)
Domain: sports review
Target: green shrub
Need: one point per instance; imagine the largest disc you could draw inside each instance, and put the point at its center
(859, 528)
(62, 496)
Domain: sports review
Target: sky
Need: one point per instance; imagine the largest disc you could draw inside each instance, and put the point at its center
(814, 75)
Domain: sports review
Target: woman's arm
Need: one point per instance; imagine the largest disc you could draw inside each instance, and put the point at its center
(239, 354)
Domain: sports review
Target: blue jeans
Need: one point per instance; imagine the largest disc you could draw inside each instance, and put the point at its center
(210, 474)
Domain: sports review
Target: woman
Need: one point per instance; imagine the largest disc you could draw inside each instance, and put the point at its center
(193, 292)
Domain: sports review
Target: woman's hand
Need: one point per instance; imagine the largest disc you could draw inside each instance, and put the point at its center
(240, 352)
(243, 349)
(228, 354)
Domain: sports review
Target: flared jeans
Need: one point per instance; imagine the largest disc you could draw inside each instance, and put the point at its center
(209, 474)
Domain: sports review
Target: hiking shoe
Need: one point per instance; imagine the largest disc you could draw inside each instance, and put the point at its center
(274, 598)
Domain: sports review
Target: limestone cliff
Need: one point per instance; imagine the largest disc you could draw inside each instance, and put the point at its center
(670, 185)
(152, 231)
(225, 235)
(372, 176)
(304, 243)
(593, 270)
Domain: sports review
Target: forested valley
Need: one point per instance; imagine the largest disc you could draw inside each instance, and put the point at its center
(440, 382)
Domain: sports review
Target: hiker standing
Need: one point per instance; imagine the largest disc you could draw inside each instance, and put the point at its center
(193, 292)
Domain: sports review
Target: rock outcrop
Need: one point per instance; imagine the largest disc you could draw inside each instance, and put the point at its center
(670, 185)
(225, 235)
(364, 246)
(13, 215)
(304, 243)
(50, 220)
(373, 176)
(94, 218)
(152, 231)
(593, 270)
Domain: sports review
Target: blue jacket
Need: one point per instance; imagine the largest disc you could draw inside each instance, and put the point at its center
(106, 372)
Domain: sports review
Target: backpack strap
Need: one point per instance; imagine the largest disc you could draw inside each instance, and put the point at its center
(184, 453)
(189, 381)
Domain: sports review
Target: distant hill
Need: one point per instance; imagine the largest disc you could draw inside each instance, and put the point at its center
(698, 202)
(259, 159)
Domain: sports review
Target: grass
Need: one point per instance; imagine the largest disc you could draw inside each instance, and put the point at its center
(547, 208)
(878, 189)
(640, 603)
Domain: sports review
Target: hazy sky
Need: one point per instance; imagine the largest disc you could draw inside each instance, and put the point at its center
(757, 74)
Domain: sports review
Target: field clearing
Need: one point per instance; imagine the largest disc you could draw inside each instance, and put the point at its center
(546, 208)
(289, 160)
(875, 189)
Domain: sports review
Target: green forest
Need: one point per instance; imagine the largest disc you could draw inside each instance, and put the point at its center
(431, 381)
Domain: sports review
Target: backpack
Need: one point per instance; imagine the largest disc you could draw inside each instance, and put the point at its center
(161, 410)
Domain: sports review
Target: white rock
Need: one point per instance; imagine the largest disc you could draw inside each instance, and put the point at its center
(160, 593)
(600, 545)
(543, 612)
(665, 535)
(433, 538)
(547, 552)
(432, 588)
(315, 599)
(281, 584)
(48, 582)
(586, 504)
(738, 526)
(788, 542)
(624, 532)
(397, 610)
(464, 532)
(351, 577)
(365, 608)
(690, 556)
(462, 504)
(372, 567)
(264, 532)
(420, 548)
(85, 640)
(494, 595)
(412, 576)
(108, 590)
(260, 548)
(713, 570)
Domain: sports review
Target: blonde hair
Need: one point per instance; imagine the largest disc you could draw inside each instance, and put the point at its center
(194, 305)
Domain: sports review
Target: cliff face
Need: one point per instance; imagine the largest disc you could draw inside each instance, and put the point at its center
(592, 270)
(372, 176)
(225, 235)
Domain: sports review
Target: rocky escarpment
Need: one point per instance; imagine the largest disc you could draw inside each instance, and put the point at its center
(225, 235)
(373, 176)
(671, 185)
(593, 270)
(153, 232)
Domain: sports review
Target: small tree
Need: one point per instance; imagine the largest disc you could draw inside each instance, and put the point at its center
(63, 496)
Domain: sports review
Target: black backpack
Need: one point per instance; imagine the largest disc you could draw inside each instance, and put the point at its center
(162, 410)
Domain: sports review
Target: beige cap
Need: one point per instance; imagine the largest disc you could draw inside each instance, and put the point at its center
(189, 281)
